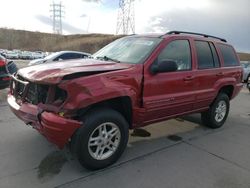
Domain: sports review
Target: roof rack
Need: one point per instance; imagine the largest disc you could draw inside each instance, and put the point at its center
(191, 33)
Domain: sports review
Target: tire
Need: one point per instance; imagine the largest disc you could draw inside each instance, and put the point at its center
(213, 119)
(108, 131)
(248, 86)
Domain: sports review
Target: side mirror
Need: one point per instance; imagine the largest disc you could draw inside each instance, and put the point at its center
(163, 66)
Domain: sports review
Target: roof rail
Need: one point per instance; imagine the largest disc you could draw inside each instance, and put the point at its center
(191, 33)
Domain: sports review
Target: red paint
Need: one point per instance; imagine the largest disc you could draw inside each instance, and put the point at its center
(153, 97)
(55, 128)
(53, 73)
(2, 63)
(6, 78)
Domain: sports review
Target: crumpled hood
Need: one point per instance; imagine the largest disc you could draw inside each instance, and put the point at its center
(54, 72)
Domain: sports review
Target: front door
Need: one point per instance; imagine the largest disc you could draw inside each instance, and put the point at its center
(170, 93)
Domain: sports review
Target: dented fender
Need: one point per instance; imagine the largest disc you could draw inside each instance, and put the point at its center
(85, 91)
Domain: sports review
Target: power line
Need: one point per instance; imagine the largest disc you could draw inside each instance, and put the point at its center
(57, 13)
(126, 17)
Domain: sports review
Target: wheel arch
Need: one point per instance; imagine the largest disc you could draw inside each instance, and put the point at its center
(228, 90)
(121, 104)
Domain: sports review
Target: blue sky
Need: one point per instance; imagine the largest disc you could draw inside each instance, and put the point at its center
(229, 19)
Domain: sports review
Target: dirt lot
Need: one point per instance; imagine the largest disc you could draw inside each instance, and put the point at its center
(3, 94)
(175, 153)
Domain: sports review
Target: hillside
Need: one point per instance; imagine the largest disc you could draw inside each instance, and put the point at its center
(244, 56)
(26, 40)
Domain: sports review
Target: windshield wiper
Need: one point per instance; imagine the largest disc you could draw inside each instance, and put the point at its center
(106, 58)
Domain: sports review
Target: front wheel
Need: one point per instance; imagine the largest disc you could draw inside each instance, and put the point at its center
(102, 138)
(217, 114)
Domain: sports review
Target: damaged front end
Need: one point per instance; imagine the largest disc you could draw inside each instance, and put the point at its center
(40, 105)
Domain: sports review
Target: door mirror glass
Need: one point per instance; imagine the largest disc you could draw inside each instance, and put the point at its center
(163, 66)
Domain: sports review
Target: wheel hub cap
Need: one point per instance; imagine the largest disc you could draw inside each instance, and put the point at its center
(220, 111)
(104, 141)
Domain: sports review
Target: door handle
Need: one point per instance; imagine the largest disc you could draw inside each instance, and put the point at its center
(220, 74)
(188, 78)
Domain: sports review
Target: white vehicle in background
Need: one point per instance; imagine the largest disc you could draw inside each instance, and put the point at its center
(3, 52)
(25, 55)
(38, 55)
(11, 55)
(246, 70)
(60, 56)
(18, 52)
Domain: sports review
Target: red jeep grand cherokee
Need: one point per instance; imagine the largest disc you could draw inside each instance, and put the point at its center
(132, 82)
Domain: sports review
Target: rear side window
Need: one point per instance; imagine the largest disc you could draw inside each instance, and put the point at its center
(215, 55)
(76, 56)
(67, 56)
(84, 56)
(228, 55)
(205, 55)
(179, 52)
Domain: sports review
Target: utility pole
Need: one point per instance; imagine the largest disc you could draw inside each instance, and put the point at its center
(126, 17)
(57, 12)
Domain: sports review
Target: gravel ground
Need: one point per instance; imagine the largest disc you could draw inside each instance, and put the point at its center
(175, 153)
(3, 95)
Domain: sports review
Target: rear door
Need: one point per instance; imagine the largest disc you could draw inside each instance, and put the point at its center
(170, 93)
(207, 73)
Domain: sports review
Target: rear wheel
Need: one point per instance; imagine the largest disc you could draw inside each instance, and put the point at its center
(248, 82)
(102, 138)
(217, 114)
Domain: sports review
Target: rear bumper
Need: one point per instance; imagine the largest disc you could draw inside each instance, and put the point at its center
(55, 128)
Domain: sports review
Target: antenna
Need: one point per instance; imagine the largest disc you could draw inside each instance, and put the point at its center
(57, 10)
(126, 17)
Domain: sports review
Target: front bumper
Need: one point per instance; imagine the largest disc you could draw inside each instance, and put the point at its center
(55, 128)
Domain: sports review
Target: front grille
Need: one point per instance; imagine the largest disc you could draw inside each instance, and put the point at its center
(32, 93)
(37, 93)
(18, 89)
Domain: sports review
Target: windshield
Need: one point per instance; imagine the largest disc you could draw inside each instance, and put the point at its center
(131, 50)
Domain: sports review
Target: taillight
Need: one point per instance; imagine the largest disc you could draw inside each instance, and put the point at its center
(6, 78)
(2, 62)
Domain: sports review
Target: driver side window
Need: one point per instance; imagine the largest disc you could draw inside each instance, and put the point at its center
(179, 52)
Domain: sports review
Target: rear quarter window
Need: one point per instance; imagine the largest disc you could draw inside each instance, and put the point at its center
(228, 54)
